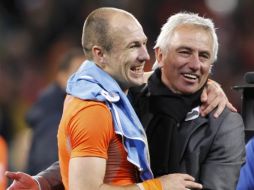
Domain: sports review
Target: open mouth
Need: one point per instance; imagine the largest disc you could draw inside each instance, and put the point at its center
(137, 69)
(190, 76)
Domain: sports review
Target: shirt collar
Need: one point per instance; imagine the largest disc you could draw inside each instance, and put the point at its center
(193, 114)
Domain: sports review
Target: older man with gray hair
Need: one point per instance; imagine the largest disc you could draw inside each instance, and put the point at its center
(180, 139)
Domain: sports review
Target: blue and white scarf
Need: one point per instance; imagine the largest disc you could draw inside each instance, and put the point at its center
(92, 83)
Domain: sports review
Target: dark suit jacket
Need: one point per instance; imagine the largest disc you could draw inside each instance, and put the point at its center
(211, 150)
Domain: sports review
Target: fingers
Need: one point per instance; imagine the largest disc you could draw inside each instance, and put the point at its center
(216, 105)
(190, 182)
(204, 95)
(219, 109)
(187, 177)
(12, 175)
(214, 98)
(231, 107)
(179, 181)
(193, 185)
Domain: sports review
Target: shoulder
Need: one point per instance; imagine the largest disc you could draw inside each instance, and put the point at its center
(76, 104)
(226, 115)
(228, 126)
(85, 111)
(83, 117)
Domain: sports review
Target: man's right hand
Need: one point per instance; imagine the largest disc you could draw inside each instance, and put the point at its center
(179, 181)
(21, 181)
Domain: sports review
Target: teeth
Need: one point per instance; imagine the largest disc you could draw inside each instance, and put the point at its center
(191, 76)
(137, 69)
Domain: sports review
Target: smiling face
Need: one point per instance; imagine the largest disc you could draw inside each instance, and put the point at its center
(186, 64)
(125, 62)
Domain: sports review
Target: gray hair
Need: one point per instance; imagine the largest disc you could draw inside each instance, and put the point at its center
(186, 18)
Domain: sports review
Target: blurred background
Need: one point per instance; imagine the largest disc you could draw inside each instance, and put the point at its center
(35, 34)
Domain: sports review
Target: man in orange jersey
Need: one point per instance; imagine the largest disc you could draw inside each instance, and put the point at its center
(102, 144)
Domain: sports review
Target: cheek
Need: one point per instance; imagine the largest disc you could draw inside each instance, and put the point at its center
(174, 69)
(206, 69)
(205, 72)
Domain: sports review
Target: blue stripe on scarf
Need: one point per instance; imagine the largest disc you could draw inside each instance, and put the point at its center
(92, 83)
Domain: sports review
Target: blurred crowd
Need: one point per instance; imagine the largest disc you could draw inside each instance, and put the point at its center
(35, 34)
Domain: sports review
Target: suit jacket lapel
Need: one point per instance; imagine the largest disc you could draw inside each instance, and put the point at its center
(186, 130)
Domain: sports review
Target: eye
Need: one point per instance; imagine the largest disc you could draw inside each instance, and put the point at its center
(204, 56)
(184, 53)
(135, 45)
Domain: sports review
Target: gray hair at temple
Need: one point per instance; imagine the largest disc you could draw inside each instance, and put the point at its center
(190, 19)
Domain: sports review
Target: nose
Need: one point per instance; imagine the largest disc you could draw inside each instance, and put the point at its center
(143, 54)
(195, 62)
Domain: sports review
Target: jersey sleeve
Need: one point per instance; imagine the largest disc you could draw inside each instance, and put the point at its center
(91, 131)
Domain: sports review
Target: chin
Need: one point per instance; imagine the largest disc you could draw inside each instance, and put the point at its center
(187, 91)
(191, 91)
(137, 81)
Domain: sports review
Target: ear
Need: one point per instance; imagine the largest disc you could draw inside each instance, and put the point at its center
(98, 55)
(158, 56)
(211, 69)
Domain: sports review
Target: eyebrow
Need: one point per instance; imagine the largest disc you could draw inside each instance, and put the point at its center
(184, 47)
(136, 41)
(191, 49)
